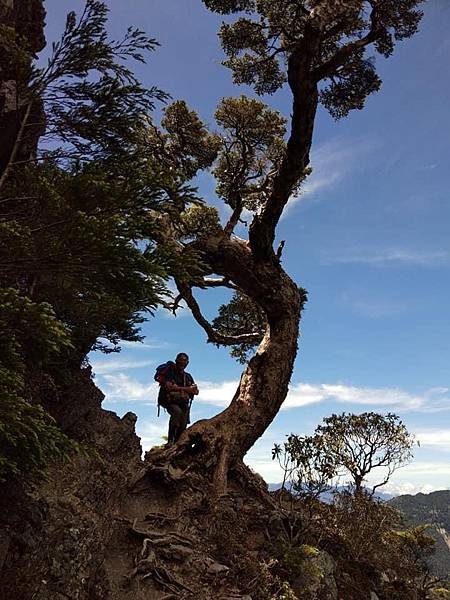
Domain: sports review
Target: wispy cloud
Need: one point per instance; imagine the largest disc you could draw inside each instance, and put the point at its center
(390, 257)
(120, 387)
(377, 308)
(360, 302)
(149, 344)
(101, 367)
(332, 162)
(123, 388)
(392, 398)
(435, 439)
(304, 394)
(419, 476)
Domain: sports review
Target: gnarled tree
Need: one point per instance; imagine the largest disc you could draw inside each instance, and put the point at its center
(321, 49)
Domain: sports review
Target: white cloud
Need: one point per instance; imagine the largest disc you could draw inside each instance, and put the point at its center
(407, 487)
(149, 344)
(435, 439)
(218, 394)
(419, 476)
(151, 433)
(391, 257)
(102, 367)
(123, 388)
(428, 469)
(372, 307)
(331, 162)
(377, 309)
(391, 398)
(302, 394)
(120, 387)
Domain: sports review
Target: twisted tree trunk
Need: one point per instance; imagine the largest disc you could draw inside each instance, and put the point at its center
(221, 442)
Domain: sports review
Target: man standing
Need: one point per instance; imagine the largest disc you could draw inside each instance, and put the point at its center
(176, 394)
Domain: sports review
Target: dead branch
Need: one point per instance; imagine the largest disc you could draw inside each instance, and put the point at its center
(213, 336)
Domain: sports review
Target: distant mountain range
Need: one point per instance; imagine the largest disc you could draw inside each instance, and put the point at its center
(432, 509)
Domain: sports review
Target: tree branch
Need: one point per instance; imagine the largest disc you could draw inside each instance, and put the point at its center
(342, 55)
(17, 144)
(213, 336)
(223, 282)
(176, 304)
(306, 97)
(234, 219)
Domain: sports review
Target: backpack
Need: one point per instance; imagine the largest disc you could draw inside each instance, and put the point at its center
(160, 376)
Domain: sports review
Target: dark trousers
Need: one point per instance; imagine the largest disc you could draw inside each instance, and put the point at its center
(179, 419)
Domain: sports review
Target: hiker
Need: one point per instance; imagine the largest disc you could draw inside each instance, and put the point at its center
(177, 389)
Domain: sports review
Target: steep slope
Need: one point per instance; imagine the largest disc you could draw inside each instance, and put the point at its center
(108, 526)
(432, 509)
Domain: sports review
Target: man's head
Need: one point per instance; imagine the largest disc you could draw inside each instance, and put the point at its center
(182, 360)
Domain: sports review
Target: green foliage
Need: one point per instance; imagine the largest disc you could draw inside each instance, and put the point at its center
(264, 47)
(362, 443)
(413, 548)
(345, 445)
(14, 52)
(416, 541)
(187, 143)
(308, 468)
(285, 593)
(295, 559)
(241, 315)
(30, 334)
(79, 263)
(252, 149)
(29, 439)
(440, 594)
(362, 524)
(92, 99)
(200, 221)
(364, 535)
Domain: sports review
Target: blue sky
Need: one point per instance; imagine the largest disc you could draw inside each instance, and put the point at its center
(368, 238)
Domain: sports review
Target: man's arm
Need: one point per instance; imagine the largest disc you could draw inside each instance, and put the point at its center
(189, 389)
(193, 386)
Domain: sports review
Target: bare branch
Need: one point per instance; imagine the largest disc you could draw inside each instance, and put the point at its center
(280, 249)
(213, 336)
(222, 282)
(234, 219)
(17, 144)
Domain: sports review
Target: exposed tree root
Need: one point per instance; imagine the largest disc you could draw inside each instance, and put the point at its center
(147, 563)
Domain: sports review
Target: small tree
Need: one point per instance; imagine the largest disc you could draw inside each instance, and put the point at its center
(345, 444)
(308, 469)
(361, 443)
